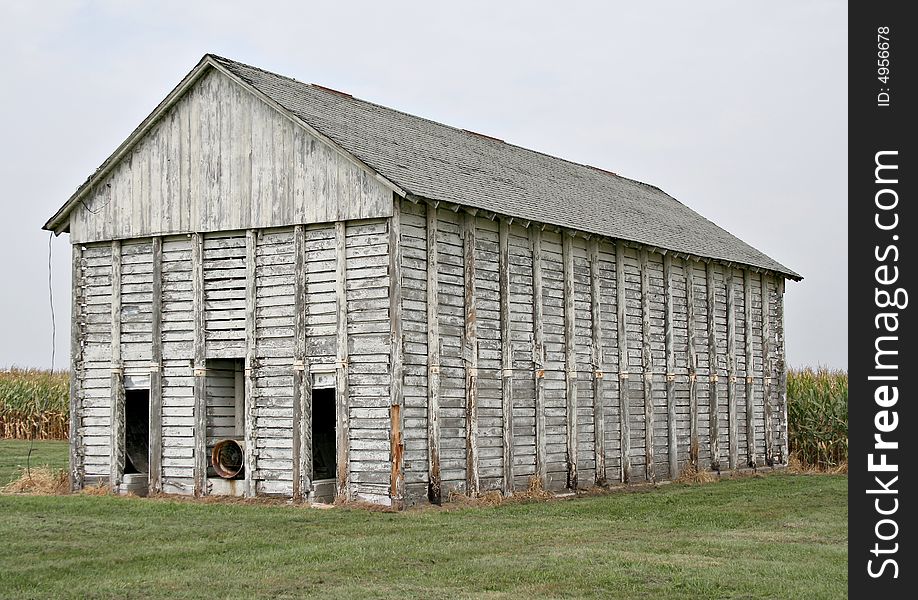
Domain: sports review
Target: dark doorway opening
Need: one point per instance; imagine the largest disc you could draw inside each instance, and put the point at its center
(323, 434)
(137, 431)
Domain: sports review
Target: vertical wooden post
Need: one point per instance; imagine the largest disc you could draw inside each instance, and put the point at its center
(470, 351)
(692, 361)
(767, 370)
(538, 353)
(712, 367)
(76, 368)
(506, 345)
(570, 357)
(117, 378)
(200, 370)
(782, 370)
(673, 449)
(396, 446)
(396, 360)
(733, 457)
(598, 360)
(647, 359)
(750, 391)
(623, 399)
(251, 240)
(341, 386)
(301, 403)
(433, 361)
(156, 367)
(238, 400)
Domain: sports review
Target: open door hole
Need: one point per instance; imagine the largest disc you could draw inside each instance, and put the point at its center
(323, 434)
(137, 431)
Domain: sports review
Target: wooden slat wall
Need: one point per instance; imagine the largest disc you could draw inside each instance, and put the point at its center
(136, 311)
(634, 349)
(722, 366)
(659, 330)
(583, 361)
(221, 401)
(368, 356)
(451, 312)
(274, 357)
(413, 236)
(319, 262)
(655, 308)
(554, 343)
(521, 340)
(656, 343)
(682, 371)
(224, 294)
(702, 381)
(489, 380)
(95, 419)
(223, 160)
(755, 289)
(610, 345)
(177, 380)
(136, 305)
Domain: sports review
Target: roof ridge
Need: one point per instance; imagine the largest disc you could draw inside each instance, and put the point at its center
(453, 127)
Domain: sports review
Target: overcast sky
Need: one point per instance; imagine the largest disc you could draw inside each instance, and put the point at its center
(739, 110)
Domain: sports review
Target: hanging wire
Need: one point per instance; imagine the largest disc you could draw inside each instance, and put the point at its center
(51, 305)
(44, 401)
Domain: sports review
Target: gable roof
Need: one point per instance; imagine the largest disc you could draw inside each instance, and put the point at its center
(423, 159)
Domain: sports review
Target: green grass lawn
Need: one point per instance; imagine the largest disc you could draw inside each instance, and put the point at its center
(13, 455)
(780, 536)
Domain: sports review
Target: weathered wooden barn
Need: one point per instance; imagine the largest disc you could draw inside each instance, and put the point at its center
(279, 289)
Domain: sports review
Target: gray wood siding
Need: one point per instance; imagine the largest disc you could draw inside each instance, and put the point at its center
(221, 160)
(521, 334)
(451, 314)
(757, 366)
(224, 294)
(610, 366)
(178, 381)
(583, 376)
(368, 353)
(648, 283)
(413, 237)
(703, 383)
(720, 335)
(658, 366)
(221, 402)
(681, 369)
(95, 420)
(248, 299)
(274, 342)
(555, 382)
(487, 311)
(634, 345)
(136, 305)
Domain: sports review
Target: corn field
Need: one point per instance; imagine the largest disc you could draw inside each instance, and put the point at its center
(817, 415)
(34, 403)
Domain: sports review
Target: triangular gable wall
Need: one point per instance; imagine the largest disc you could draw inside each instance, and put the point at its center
(222, 159)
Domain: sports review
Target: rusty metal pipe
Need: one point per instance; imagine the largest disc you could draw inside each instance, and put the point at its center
(228, 458)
